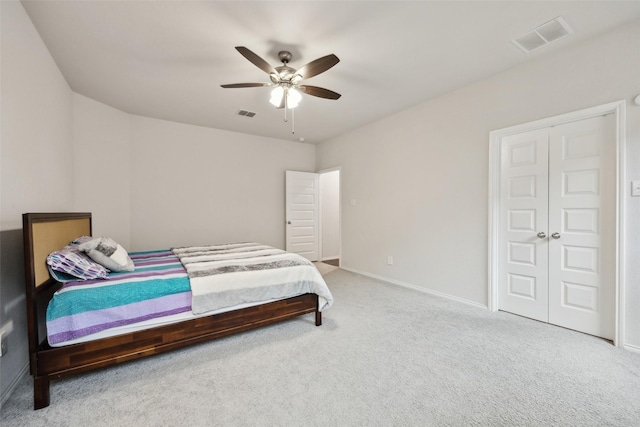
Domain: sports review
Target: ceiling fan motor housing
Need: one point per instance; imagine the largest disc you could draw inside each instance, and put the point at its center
(284, 56)
(285, 73)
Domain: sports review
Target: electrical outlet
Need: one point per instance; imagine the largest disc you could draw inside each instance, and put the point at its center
(3, 344)
(389, 260)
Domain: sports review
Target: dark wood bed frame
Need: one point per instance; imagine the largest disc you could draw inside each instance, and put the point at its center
(47, 232)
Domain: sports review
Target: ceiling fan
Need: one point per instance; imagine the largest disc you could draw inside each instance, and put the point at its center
(286, 81)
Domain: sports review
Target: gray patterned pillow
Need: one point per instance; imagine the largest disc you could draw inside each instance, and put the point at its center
(108, 253)
(71, 261)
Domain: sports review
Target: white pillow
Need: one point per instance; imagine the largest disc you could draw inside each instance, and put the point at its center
(108, 253)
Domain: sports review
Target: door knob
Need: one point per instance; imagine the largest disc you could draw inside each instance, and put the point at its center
(289, 222)
(542, 235)
(556, 235)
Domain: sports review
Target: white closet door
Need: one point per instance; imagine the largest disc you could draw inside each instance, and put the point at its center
(582, 226)
(523, 287)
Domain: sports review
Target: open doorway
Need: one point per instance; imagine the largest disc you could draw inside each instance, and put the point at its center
(313, 215)
(330, 242)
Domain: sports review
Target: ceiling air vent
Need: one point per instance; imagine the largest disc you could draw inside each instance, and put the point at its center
(543, 35)
(246, 113)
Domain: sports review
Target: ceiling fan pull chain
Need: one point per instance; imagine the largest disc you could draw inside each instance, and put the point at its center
(286, 104)
(293, 122)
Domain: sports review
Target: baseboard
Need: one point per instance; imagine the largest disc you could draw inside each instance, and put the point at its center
(7, 392)
(416, 288)
(632, 348)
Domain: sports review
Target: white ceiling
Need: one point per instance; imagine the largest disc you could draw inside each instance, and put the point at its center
(167, 59)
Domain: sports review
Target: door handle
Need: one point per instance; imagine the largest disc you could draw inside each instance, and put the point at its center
(289, 222)
(542, 235)
(556, 235)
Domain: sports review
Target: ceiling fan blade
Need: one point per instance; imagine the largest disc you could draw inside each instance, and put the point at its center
(319, 92)
(236, 85)
(318, 66)
(256, 60)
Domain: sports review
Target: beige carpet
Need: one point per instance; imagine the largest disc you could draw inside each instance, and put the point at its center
(324, 268)
(385, 356)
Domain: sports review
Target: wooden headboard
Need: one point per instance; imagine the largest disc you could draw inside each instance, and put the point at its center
(44, 233)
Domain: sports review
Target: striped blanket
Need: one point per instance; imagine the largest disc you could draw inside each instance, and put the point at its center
(161, 286)
(158, 287)
(227, 275)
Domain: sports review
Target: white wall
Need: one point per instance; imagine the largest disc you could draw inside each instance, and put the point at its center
(420, 177)
(102, 167)
(36, 164)
(36, 123)
(196, 185)
(330, 214)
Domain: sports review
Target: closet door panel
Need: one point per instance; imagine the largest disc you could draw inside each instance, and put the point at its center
(582, 226)
(524, 197)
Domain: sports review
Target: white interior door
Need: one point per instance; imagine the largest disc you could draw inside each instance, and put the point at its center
(557, 222)
(302, 211)
(583, 226)
(523, 283)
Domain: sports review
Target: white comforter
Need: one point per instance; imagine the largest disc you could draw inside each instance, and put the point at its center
(227, 275)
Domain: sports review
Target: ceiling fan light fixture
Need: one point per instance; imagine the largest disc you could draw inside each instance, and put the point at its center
(276, 96)
(293, 98)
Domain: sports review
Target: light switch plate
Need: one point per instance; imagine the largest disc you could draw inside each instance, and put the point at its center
(635, 188)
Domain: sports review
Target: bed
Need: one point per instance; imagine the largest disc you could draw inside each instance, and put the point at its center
(55, 354)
